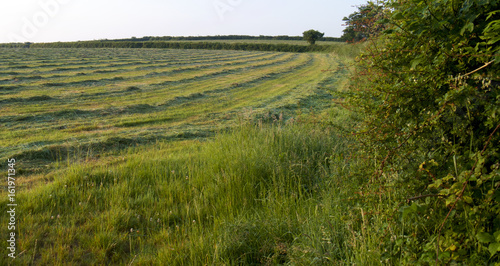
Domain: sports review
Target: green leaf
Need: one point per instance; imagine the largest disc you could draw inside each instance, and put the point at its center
(493, 40)
(448, 177)
(436, 184)
(407, 210)
(450, 200)
(494, 248)
(497, 236)
(468, 199)
(467, 27)
(415, 62)
(484, 237)
(397, 16)
(492, 14)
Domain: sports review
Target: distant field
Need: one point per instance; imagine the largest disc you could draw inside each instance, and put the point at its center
(54, 101)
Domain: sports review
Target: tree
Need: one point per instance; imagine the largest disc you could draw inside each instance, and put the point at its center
(311, 36)
(364, 23)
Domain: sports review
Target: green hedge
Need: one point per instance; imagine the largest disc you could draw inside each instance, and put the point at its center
(185, 45)
(428, 93)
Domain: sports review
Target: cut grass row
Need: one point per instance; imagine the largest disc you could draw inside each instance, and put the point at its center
(196, 98)
(179, 91)
(60, 59)
(103, 70)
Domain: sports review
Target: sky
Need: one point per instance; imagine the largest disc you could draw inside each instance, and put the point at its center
(79, 20)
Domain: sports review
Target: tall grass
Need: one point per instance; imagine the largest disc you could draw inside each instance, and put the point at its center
(258, 194)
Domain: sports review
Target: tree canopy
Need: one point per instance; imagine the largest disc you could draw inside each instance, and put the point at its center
(363, 23)
(311, 36)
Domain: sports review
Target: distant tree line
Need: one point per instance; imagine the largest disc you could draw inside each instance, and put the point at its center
(15, 45)
(225, 37)
(181, 45)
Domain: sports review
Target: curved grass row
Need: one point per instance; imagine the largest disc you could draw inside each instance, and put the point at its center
(182, 94)
(103, 68)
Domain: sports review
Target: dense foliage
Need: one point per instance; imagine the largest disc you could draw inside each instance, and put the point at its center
(364, 23)
(428, 94)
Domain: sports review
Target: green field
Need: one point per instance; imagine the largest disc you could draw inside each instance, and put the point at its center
(182, 156)
(52, 99)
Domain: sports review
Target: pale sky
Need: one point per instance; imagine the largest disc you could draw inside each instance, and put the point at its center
(74, 20)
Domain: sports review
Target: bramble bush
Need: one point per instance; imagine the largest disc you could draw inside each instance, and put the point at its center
(427, 94)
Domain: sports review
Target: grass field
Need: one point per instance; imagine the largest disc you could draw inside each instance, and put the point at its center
(192, 157)
(55, 99)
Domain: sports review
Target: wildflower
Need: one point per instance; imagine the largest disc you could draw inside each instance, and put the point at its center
(131, 230)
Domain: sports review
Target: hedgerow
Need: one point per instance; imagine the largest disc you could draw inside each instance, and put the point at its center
(427, 94)
(185, 45)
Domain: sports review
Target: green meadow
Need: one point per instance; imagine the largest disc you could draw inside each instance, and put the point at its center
(179, 157)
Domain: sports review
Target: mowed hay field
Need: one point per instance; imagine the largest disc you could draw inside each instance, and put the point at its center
(53, 98)
(144, 156)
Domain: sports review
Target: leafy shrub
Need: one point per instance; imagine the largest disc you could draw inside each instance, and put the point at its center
(428, 93)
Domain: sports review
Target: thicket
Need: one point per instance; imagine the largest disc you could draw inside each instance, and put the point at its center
(189, 45)
(427, 94)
